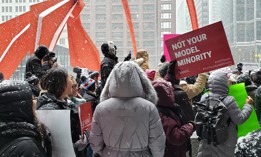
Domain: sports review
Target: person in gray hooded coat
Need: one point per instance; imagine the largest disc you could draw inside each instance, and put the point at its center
(218, 88)
(126, 122)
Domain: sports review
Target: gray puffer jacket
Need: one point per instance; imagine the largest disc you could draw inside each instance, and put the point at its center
(218, 87)
(126, 123)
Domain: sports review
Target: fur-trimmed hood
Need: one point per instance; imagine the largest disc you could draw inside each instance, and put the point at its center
(128, 80)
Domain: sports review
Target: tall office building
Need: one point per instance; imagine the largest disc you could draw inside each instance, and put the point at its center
(12, 8)
(105, 20)
(241, 20)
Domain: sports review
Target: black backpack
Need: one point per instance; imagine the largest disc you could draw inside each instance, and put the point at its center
(212, 120)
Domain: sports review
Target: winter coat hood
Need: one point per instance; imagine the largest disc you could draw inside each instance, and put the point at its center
(128, 80)
(218, 83)
(16, 102)
(165, 93)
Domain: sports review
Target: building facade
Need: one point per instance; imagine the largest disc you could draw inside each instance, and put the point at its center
(105, 20)
(241, 20)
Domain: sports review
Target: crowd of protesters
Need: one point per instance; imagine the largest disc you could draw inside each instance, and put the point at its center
(137, 111)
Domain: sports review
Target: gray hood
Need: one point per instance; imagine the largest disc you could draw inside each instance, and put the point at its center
(128, 80)
(218, 83)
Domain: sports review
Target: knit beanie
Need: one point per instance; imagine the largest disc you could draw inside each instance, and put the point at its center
(165, 93)
(16, 103)
(163, 69)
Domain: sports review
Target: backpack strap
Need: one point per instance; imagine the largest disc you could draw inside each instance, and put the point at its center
(5, 147)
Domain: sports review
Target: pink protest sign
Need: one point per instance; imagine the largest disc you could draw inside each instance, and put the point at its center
(198, 51)
(165, 50)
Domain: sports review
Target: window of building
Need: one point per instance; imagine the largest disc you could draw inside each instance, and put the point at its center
(117, 8)
(100, 16)
(100, 8)
(240, 10)
(165, 15)
(20, 8)
(117, 35)
(258, 9)
(6, 9)
(148, 16)
(148, 25)
(24, 8)
(241, 32)
(100, 35)
(135, 16)
(62, 41)
(258, 30)
(118, 43)
(148, 43)
(10, 9)
(250, 10)
(135, 33)
(129, 44)
(3, 1)
(162, 33)
(86, 26)
(116, 0)
(148, 8)
(136, 25)
(117, 17)
(165, 6)
(148, 35)
(3, 9)
(165, 25)
(149, 1)
(250, 31)
(117, 26)
(85, 17)
(100, 25)
(3, 18)
(134, 8)
(16, 8)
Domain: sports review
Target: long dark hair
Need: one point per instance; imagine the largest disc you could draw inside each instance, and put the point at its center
(55, 81)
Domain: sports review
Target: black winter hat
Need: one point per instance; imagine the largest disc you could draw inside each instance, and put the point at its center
(163, 69)
(244, 78)
(41, 51)
(16, 103)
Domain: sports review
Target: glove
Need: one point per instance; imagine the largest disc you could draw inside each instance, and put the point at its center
(128, 57)
(171, 68)
(162, 59)
(81, 144)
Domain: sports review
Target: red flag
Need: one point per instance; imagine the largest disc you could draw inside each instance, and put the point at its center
(129, 20)
(83, 52)
(193, 14)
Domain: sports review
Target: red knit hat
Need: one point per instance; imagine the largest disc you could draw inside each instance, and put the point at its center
(150, 74)
(165, 93)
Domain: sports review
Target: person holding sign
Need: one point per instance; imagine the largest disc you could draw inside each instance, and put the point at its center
(126, 122)
(218, 89)
(58, 85)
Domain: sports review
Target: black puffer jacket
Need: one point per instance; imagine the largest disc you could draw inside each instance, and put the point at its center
(47, 101)
(34, 64)
(17, 121)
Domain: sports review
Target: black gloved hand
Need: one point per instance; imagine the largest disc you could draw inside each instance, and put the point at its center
(163, 59)
(128, 57)
(171, 68)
